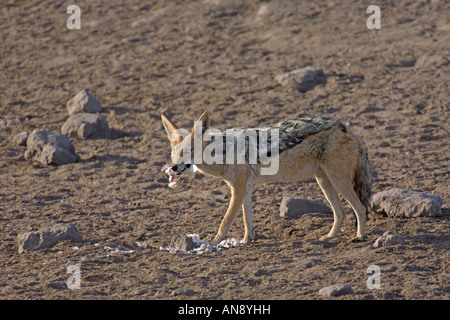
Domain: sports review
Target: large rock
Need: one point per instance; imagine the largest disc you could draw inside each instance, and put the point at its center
(84, 101)
(296, 207)
(85, 126)
(303, 79)
(398, 202)
(50, 148)
(48, 237)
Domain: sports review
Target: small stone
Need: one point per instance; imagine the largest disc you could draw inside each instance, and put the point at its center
(191, 69)
(177, 292)
(296, 207)
(21, 139)
(5, 123)
(263, 10)
(389, 239)
(84, 101)
(336, 290)
(48, 237)
(160, 293)
(311, 262)
(183, 242)
(303, 79)
(189, 292)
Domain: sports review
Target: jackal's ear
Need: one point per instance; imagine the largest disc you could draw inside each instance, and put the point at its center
(172, 131)
(202, 124)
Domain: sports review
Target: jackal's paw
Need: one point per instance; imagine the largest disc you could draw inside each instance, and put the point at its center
(217, 239)
(249, 238)
(326, 237)
(358, 239)
(214, 242)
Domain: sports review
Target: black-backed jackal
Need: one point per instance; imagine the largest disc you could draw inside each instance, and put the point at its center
(297, 149)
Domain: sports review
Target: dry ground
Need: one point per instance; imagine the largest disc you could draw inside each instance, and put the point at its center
(142, 58)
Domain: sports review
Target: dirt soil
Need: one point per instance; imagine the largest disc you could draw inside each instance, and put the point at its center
(180, 58)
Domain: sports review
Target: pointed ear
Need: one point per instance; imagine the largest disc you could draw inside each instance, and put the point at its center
(171, 130)
(202, 122)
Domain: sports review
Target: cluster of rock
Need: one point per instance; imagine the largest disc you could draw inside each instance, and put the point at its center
(403, 203)
(50, 148)
(84, 122)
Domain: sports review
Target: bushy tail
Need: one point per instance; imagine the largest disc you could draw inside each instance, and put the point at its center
(362, 182)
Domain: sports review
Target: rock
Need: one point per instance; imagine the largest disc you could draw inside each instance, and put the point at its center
(177, 292)
(5, 123)
(336, 290)
(21, 138)
(50, 148)
(189, 292)
(86, 125)
(398, 202)
(296, 207)
(84, 101)
(310, 262)
(48, 237)
(303, 79)
(183, 242)
(263, 11)
(389, 239)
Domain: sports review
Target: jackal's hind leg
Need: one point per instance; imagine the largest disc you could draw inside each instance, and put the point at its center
(333, 198)
(345, 188)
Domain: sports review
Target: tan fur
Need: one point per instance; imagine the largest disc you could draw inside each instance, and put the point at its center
(332, 156)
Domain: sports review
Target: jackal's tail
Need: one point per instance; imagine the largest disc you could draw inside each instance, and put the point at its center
(362, 182)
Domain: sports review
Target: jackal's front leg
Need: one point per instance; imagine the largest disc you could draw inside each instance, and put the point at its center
(248, 217)
(237, 198)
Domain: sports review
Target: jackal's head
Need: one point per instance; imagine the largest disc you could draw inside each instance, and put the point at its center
(182, 141)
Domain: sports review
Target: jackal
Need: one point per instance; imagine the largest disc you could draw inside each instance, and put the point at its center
(303, 148)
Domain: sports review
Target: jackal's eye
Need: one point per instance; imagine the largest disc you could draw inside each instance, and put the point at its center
(176, 151)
